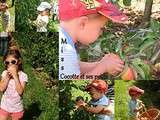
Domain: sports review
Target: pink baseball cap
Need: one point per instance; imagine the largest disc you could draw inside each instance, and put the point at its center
(135, 90)
(69, 9)
(100, 85)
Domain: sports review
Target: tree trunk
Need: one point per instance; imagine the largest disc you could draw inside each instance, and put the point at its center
(147, 11)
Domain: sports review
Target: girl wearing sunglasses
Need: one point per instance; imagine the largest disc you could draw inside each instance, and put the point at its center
(12, 84)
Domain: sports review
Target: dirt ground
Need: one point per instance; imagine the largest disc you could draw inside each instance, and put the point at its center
(139, 5)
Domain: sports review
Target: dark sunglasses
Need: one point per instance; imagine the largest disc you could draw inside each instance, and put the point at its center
(10, 62)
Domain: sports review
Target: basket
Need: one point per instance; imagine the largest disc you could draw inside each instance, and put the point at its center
(150, 114)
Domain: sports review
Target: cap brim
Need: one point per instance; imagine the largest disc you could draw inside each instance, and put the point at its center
(141, 91)
(88, 87)
(40, 8)
(137, 91)
(113, 13)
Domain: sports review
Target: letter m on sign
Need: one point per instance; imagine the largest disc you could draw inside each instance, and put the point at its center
(63, 41)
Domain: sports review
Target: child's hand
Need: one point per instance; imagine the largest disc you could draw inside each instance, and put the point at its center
(135, 110)
(112, 63)
(29, 21)
(144, 118)
(80, 104)
(13, 71)
(7, 76)
(106, 111)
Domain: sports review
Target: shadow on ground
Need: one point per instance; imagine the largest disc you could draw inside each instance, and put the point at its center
(33, 111)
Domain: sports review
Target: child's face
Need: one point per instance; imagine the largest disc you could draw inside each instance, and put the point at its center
(3, 6)
(10, 61)
(45, 12)
(95, 94)
(91, 29)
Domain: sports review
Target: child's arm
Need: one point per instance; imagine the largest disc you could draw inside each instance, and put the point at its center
(4, 82)
(85, 67)
(19, 85)
(98, 110)
(110, 63)
(39, 23)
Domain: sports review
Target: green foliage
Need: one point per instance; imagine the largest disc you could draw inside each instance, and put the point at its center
(127, 2)
(26, 11)
(40, 103)
(52, 26)
(40, 48)
(133, 46)
(69, 91)
(151, 95)
(29, 11)
(142, 69)
(121, 98)
(65, 103)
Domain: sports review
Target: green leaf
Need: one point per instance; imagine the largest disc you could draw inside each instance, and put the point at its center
(139, 70)
(146, 69)
(146, 44)
(130, 49)
(127, 2)
(119, 45)
(155, 25)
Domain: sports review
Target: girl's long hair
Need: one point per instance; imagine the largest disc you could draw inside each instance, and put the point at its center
(16, 54)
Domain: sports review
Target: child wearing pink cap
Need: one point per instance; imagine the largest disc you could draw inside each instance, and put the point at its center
(136, 106)
(12, 84)
(83, 21)
(99, 105)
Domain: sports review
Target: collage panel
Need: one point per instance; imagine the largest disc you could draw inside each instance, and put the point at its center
(80, 47)
(37, 15)
(104, 49)
(86, 100)
(28, 82)
(7, 15)
(137, 100)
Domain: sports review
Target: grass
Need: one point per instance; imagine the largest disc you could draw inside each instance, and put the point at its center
(39, 103)
(150, 97)
(121, 99)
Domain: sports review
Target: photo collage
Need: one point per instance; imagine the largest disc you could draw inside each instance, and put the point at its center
(79, 59)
